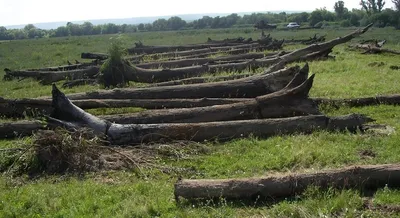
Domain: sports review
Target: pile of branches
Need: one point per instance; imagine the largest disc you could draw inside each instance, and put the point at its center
(373, 46)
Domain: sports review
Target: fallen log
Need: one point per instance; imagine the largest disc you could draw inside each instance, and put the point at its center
(368, 177)
(161, 49)
(98, 56)
(19, 129)
(291, 101)
(252, 86)
(48, 77)
(361, 102)
(79, 82)
(199, 61)
(196, 80)
(67, 114)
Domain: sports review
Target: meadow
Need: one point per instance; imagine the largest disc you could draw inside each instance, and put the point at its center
(131, 194)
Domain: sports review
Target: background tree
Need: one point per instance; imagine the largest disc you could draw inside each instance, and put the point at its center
(372, 6)
(340, 10)
(87, 28)
(396, 4)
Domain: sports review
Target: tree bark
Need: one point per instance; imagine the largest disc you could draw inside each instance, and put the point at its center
(196, 80)
(291, 101)
(368, 177)
(119, 134)
(199, 61)
(19, 129)
(48, 77)
(249, 87)
(162, 49)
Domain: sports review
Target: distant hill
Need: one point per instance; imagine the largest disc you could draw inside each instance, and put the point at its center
(133, 20)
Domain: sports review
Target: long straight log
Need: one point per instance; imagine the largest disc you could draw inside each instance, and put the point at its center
(252, 86)
(368, 177)
(19, 129)
(196, 80)
(161, 49)
(48, 77)
(199, 61)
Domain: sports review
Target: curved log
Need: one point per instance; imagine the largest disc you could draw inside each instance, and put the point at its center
(369, 177)
(252, 86)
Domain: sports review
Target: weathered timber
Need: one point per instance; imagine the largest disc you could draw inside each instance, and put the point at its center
(248, 87)
(291, 101)
(368, 177)
(79, 82)
(196, 80)
(99, 56)
(65, 112)
(48, 77)
(19, 129)
(199, 61)
(161, 49)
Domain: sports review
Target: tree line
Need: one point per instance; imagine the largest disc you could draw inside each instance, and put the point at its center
(370, 11)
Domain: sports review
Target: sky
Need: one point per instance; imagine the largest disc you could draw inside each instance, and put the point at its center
(14, 12)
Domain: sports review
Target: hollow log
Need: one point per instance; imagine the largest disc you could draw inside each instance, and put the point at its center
(368, 177)
(249, 87)
(65, 112)
(291, 101)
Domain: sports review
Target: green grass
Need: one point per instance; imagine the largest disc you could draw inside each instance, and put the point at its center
(125, 194)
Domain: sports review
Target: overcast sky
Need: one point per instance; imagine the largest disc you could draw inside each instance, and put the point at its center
(13, 12)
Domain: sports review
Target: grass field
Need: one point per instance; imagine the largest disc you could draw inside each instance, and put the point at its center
(128, 194)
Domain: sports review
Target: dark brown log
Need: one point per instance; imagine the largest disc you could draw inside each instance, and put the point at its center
(118, 134)
(19, 129)
(79, 82)
(249, 87)
(368, 177)
(99, 56)
(361, 102)
(48, 77)
(240, 49)
(291, 101)
(161, 49)
(199, 61)
(196, 80)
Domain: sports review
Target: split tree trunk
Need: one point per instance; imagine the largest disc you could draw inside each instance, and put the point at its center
(249, 87)
(369, 177)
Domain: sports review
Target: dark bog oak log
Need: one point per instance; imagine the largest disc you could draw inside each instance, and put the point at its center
(291, 101)
(99, 56)
(65, 112)
(360, 102)
(48, 77)
(368, 177)
(19, 129)
(239, 49)
(196, 80)
(161, 49)
(198, 61)
(252, 86)
(79, 82)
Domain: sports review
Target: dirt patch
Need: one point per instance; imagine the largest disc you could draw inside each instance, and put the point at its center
(391, 209)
